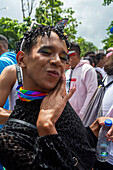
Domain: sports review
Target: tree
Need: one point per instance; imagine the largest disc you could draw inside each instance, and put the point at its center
(107, 2)
(27, 7)
(85, 46)
(108, 41)
(50, 12)
(13, 30)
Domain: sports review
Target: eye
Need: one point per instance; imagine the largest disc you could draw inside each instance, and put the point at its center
(64, 57)
(45, 51)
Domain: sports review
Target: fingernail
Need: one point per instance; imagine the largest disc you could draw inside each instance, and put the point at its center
(73, 89)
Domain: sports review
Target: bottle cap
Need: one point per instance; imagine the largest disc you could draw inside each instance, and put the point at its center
(108, 122)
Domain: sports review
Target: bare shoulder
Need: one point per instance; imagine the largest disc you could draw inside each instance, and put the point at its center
(9, 74)
(10, 69)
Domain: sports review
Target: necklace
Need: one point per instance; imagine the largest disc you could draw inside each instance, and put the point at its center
(27, 95)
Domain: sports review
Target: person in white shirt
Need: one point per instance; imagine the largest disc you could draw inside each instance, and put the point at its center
(85, 77)
(107, 107)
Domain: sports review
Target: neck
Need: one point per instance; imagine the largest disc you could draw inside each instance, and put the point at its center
(75, 63)
(31, 86)
(27, 95)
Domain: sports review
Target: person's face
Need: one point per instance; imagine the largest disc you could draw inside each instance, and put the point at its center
(44, 65)
(74, 60)
(2, 49)
(68, 65)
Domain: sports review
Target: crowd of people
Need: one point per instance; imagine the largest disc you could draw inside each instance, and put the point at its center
(49, 86)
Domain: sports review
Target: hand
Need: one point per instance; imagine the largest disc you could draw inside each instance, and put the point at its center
(109, 135)
(51, 108)
(97, 125)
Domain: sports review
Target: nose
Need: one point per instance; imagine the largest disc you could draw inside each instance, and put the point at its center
(56, 60)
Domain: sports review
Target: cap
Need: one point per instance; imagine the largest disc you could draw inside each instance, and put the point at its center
(108, 122)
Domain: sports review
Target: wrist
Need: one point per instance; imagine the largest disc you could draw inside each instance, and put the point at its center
(46, 128)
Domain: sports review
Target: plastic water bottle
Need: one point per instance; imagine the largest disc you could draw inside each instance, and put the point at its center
(1, 167)
(102, 150)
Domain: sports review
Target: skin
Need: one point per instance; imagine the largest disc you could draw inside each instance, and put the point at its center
(74, 60)
(7, 81)
(2, 49)
(6, 84)
(50, 69)
(101, 63)
(43, 71)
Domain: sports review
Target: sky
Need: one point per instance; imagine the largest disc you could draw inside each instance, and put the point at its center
(95, 18)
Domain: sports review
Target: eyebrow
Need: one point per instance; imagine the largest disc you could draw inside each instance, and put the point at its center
(51, 47)
(45, 46)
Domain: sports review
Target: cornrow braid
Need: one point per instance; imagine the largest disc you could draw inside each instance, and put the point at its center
(30, 38)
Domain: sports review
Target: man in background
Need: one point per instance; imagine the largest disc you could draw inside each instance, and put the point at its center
(100, 60)
(85, 77)
(6, 58)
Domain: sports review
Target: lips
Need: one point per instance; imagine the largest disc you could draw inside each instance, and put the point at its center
(53, 73)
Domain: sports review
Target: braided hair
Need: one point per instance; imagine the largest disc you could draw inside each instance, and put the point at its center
(30, 37)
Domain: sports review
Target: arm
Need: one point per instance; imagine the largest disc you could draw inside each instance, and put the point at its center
(7, 81)
(96, 125)
(47, 149)
(91, 85)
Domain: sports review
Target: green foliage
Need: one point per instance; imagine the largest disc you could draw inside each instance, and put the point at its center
(108, 41)
(13, 30)
(107, 2)
(85, 46)
(50, 12)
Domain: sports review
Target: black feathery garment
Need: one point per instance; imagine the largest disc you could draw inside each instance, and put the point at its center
(21, 148)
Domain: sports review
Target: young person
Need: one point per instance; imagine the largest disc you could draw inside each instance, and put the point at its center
(44, 132)
(100, 59)
(10, 77)
(6, 59)
(86, 81)
(107, 107)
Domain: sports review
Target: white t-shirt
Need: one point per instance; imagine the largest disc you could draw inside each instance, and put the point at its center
(107, 108)
(101, 71)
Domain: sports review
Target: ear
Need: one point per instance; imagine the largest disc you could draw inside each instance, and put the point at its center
(20, 57)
